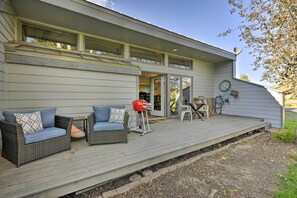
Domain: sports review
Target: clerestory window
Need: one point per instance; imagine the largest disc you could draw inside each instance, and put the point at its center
(145, 56)
(180, 63)
(103, 47)
(49, 37)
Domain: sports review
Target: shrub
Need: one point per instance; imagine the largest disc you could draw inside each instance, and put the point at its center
(286, 135)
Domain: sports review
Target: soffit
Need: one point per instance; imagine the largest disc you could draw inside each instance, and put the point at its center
(75, 15)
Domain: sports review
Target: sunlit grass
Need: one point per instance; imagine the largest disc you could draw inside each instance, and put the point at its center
(288, 182)
(288, 134)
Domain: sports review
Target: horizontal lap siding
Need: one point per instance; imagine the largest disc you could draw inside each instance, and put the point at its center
(73, 92)
(7, 31)
(203, 80)
(253, 101)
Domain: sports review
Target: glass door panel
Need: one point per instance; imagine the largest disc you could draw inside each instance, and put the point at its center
(187, 89)
(157, 96)
(174, 95)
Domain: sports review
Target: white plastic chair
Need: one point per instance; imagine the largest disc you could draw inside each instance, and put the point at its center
(185, 109)
(205, 110)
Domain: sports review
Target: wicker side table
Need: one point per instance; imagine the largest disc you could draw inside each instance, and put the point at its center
(82, 119)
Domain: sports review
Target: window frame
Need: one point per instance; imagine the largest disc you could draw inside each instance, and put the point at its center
(105, 40)
(152, 62)
(22, 37)
(180, 58)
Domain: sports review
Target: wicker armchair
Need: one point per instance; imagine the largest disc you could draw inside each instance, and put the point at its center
(15, 149)
(107, 137)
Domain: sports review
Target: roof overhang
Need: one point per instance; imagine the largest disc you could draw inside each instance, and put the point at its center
(86, 17)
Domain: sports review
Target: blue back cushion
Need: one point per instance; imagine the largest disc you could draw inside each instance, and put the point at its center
(47, 116)
(102, 113)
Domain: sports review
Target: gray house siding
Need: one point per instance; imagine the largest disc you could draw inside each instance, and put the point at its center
(7, 32)
(203, 79)
(253, 100)
(73, 92)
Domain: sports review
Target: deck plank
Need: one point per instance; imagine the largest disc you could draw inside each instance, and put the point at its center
(83, 165)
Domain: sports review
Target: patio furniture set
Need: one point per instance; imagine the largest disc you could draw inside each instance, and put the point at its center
(32, 135)
(195, 109)
(27, 136)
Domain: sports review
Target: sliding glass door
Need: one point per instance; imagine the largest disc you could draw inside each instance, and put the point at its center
(180, 92)
(174, 95)
(157, 96)
(186, 90)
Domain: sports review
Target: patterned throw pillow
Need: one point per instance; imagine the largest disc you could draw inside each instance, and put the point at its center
(31, 122)
(117, 115)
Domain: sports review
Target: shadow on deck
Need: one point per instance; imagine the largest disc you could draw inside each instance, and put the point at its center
(84, 166)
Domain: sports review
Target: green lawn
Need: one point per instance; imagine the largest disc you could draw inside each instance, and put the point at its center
(288, 182)
(288, 134)
(291, 120)
(291, 116)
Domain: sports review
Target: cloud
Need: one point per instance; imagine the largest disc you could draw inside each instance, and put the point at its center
(104, 3)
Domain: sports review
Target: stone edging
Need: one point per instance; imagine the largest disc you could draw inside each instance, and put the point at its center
(162, 171)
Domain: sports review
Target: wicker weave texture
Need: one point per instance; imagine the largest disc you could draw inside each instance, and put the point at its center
(15, 149)
(107, 137)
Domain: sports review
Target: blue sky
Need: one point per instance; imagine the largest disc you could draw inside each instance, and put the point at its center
(202, 20)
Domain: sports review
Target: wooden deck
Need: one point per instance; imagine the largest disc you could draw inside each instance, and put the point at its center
(84, 166)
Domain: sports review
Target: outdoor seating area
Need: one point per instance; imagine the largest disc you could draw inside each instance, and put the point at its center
(91, 165)
(35, 134)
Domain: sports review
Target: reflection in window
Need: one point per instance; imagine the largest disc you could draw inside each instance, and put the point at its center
(174, 95)
(103, 47)
(48, 37)
(186, 86)
(180, 63)
(145, 56)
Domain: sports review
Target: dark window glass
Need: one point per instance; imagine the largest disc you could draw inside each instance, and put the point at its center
(145, 56)
(180, 63)
(48, 37)
(103, 47)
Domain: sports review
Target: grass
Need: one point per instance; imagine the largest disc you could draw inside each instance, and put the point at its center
(290, 105)
(293, 156)
(288, 182)
(288, 134)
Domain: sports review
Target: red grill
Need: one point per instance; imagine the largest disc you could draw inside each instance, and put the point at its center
(141, 105)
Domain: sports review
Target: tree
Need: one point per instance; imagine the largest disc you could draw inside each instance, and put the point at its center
(244, 77)
(269, 29)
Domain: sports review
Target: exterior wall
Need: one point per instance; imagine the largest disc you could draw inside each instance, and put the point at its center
(253, 100)
(73, 92)
(203, 80)
(7, 33)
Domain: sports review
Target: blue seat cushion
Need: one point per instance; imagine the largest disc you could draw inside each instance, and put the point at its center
(45, 134)
(107, 126)
(47, 116)
(102, 113)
